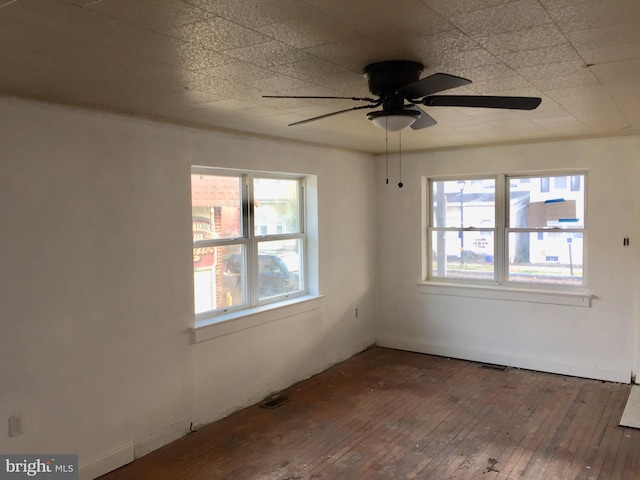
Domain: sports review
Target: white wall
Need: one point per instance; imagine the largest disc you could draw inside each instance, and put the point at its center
(96, 286)
(599, 342)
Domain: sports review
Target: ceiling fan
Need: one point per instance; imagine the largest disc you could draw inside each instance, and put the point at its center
(400, 90)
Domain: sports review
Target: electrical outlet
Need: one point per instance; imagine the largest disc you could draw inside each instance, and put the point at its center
(16, 426)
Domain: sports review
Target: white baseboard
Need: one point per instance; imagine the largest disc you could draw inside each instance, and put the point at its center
(145, 444)
(107, 462)
(497, 358)
(127, 453)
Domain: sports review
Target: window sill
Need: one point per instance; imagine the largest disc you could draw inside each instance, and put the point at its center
(574, 298)
(227, 324)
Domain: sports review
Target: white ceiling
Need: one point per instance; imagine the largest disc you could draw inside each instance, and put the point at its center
(208, 63)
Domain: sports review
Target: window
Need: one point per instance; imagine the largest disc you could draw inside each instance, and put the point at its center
(544, 184)
(507, 229)
(560, 183)
(248, 239)
(463, 229)
(575, 183)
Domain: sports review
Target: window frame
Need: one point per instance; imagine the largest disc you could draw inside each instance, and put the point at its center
(249, 240)
(508, 229)
(430, 228)
(501, 230)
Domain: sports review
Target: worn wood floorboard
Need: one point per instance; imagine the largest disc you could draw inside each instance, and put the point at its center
(388, 414)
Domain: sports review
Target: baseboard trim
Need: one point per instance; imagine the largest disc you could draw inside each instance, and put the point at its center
(145, 444)
(107, 462)
(487, 356)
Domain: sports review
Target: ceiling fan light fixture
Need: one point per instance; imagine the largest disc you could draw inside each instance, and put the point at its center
(393, 120)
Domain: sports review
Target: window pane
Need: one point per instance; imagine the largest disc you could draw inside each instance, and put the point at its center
(560, 183)
(553, 257)
(279, 267)
(276, 206)
(544, 184)
(216, 204)
(530, 206)
(576, 181)
(464, 203)
(467, 255)
(219, 277)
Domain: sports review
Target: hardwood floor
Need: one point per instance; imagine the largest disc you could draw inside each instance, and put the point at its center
(388, 414)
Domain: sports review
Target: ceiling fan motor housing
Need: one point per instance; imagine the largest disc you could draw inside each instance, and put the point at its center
(384, 78)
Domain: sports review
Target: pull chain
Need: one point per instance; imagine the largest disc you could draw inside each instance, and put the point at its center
(400, 184)
(386, 149)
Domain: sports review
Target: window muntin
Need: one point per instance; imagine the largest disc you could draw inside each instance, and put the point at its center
(249, 239)
(508, 229)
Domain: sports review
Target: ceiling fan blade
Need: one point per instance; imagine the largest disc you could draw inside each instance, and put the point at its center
(423, 121)
(313, 119)
(482, 101)
(432, 84)
(357, 99)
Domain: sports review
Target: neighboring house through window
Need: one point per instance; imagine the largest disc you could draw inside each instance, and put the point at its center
(248, 239)
(508, 229)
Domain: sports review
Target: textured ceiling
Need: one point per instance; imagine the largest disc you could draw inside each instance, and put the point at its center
(208, 63)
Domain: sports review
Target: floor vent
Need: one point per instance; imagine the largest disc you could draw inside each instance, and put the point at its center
(491, 366)
(274, 401)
